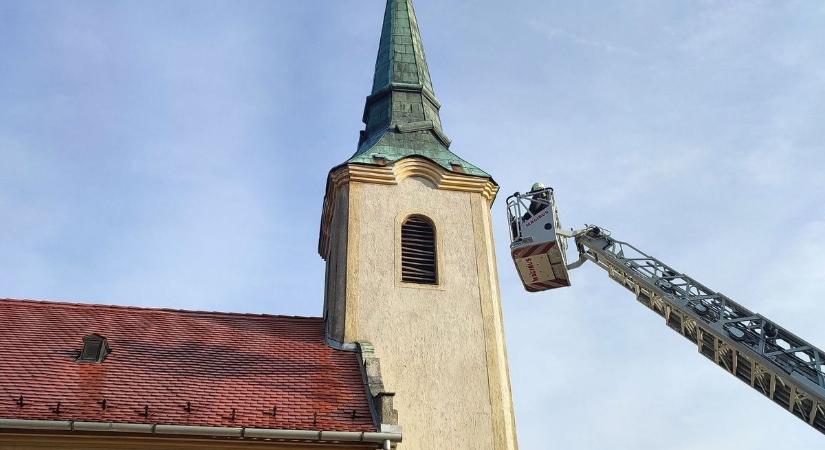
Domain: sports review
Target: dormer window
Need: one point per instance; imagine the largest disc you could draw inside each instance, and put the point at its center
(95, 349)
(379, 159)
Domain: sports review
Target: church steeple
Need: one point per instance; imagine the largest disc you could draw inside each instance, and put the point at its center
(407, 236)
(401, 113)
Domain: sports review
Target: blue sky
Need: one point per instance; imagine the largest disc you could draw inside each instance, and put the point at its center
(174, 154)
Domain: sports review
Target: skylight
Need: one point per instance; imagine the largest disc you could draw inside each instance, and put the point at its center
(95, 349)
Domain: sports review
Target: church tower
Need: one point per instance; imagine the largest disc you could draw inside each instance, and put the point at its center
(406, 233)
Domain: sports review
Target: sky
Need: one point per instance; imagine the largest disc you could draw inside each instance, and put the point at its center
(174, 154)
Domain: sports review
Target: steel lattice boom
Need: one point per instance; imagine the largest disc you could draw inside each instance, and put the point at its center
(772, 360)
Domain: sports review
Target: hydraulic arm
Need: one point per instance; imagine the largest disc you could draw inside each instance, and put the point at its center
(772, 360)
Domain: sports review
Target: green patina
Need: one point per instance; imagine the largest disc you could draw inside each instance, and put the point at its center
(401, 114)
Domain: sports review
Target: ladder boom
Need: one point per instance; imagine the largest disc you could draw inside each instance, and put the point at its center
(769, 358)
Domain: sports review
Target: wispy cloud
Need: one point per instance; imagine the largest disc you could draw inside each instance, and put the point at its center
(555, 33)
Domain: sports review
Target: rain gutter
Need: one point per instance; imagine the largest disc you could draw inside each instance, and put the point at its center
(386, 440)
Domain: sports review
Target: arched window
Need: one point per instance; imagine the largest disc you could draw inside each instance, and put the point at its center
(418, 251)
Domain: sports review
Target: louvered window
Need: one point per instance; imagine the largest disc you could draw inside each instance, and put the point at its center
(418, 252)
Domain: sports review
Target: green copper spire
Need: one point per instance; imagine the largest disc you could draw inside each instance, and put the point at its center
(401, 114)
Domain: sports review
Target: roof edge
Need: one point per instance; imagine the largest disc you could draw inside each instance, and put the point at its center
(205, 432)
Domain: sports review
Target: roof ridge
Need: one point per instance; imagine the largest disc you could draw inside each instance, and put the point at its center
(35, 302)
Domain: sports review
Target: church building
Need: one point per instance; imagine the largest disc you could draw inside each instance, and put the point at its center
(410, 352)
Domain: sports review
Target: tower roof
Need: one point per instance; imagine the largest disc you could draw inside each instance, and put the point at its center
(401, 113)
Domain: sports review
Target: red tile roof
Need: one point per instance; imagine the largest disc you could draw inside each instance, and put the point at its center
(165, 359)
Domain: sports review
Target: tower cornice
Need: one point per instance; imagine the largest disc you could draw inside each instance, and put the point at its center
(392, 174)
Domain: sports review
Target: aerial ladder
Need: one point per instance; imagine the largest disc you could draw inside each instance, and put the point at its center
(773, 361)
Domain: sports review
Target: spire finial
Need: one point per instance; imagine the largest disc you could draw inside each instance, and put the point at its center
(401, 57)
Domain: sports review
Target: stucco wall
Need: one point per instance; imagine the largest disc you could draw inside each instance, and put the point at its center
(441, 347)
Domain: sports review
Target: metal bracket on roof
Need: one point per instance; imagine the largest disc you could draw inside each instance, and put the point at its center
(415, 126)
(424, 125)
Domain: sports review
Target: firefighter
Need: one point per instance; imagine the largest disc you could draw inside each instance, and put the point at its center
(535, 205)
